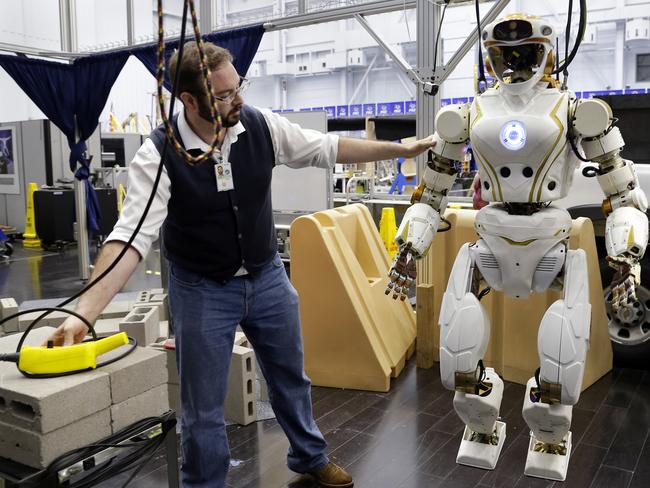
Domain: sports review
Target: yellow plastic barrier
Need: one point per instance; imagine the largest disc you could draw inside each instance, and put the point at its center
(354, 335)
(512, 350)
(30, 239)
(388, 230)
(121, 195)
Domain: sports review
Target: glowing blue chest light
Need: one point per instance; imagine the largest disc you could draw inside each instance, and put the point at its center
(513, 135)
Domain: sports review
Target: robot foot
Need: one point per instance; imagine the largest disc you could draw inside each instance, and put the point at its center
(549, 461)
(481, 450)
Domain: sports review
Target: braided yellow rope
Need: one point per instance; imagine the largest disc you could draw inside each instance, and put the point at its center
(214, 111)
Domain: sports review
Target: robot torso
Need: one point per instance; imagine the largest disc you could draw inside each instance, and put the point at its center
(520, 145)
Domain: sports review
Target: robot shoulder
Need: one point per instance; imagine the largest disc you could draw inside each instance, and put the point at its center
(452, 123)
(591, 117)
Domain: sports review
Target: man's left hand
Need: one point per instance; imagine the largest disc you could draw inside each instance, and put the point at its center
(412, 149)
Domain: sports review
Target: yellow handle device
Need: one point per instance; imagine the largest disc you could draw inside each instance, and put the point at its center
(54, 360)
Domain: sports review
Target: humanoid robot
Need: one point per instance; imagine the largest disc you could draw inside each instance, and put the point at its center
(525, 133)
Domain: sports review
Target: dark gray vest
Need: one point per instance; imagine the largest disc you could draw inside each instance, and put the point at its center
(214, 233)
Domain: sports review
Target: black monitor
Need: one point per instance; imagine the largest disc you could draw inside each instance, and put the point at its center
(115, 146)
(633, 113)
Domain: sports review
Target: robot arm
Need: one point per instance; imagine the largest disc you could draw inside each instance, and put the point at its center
(429, 201)
(625, 204)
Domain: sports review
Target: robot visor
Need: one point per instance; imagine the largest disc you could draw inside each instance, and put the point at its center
(518, 61)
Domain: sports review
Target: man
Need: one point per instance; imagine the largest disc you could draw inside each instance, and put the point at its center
(225, 271)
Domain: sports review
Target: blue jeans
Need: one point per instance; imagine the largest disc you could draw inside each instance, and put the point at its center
(206, 314)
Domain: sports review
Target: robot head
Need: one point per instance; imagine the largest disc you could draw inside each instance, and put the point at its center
(520, 51)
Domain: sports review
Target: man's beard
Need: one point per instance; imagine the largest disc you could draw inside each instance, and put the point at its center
(227, 120)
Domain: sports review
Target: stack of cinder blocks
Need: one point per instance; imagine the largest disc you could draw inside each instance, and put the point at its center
(240, 405)
(40, 419)
(155, 297)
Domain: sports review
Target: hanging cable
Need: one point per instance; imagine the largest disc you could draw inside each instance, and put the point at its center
(481, 68)
(582, 27)
(435, 46)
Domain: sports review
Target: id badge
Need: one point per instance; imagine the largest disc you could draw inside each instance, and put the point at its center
(223, 171)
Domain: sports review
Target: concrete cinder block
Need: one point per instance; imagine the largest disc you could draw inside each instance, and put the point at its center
(39, 450)
(44, 405)
(143, 297)
(164, 328)
(240, 405)
(241, 340)
(52, 319)
(107, 326)
(172, 370)
(116, 310)
(25, 320)
(142, 323)
(162, 302)
(8, 306)
(151, 403)
(138, 372)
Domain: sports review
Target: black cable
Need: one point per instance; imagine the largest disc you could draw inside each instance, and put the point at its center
(481, 69)
(557, 57)
(447, 228)
(574, 147)
(135, 459)
(567, 35)
(484, 292)
(435, 87)
(581, 32)
(435, 46)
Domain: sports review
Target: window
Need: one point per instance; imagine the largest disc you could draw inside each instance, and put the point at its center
(643, 67)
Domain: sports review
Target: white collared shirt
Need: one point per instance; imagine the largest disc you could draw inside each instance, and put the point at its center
(292, 145)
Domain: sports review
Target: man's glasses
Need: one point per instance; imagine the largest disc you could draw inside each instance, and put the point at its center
(243, 84)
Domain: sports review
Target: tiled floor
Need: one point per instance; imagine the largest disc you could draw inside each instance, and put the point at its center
(406, 438)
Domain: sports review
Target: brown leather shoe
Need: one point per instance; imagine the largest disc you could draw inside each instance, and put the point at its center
(332, 476)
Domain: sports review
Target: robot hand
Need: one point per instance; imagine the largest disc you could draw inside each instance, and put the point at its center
(414, 237)
(626, 237)
(624, 282)
(402, 273)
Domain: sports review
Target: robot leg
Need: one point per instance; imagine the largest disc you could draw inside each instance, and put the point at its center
(562, 343)
(464, 335)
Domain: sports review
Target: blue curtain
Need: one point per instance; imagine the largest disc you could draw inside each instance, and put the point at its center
(66, 93)
(74, 95)
(48, 84)
(94, 77)
(242, 43)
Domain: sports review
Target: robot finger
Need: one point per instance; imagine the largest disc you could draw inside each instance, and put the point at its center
(615, 298)
(409, 282)
(389, 287)
(396, 292)
(630, 290)
(401, 280)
